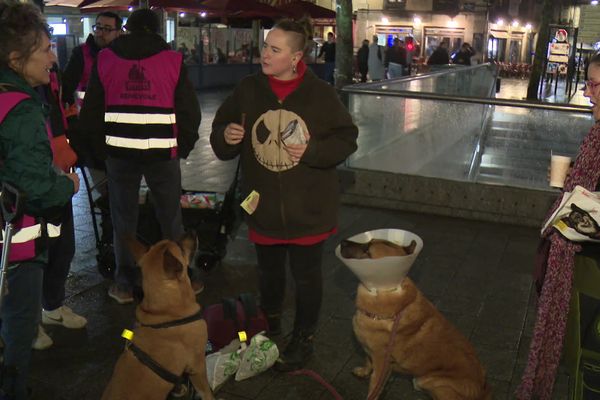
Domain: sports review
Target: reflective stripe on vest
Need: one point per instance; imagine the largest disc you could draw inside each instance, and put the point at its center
(131, 118)
(29, 233)
(141, 144)
(140, 101)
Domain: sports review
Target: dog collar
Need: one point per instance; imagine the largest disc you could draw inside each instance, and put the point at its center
(182, 321)
(374, 291)
(376, 316)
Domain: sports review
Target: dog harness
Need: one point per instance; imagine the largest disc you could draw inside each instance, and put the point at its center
(149, 362)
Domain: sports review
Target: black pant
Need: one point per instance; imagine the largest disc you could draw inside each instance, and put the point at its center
(60, 254)
(305, 265)
(363, 73)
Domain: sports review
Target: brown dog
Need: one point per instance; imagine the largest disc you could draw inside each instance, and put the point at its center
(179, 349)
(426, 345)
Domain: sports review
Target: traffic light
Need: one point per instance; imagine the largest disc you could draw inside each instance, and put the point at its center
(410, 43)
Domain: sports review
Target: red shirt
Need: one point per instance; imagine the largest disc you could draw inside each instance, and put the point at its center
(282, 89)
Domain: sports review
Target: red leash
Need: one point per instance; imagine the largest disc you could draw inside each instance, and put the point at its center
(388, 354)
(380, 382)
(312, 374)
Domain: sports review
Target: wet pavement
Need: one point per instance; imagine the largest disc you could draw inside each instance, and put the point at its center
(478, 274)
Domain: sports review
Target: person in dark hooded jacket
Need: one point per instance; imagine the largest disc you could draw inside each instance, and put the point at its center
(143, 116)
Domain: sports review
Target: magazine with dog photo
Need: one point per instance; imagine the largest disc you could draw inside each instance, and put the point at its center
(578, 216)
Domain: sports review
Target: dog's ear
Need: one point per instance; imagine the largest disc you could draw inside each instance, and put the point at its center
(188, 244)
(172, 265)
(137, 249)
(574, 207)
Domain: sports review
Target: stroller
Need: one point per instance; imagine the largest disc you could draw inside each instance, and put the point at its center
(213, 216)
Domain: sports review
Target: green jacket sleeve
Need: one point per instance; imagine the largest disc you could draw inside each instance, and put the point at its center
(27, 161)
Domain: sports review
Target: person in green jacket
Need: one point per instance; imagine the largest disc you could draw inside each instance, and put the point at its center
(26, 162)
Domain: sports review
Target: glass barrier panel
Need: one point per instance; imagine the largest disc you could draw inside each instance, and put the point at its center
(415, 136)
(517, 143)
(465, 141)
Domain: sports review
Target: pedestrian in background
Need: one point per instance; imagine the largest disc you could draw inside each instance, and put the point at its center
(396, 59)
(289, 148)
(362, 58)
(143, 115)
(463, 56)
(328, 50)
(376, 61)
(440, 55)
(26, 59)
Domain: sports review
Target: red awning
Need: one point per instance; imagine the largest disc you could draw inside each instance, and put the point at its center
(239, 9)
(123, 5)
(300, 8)
(68, 3)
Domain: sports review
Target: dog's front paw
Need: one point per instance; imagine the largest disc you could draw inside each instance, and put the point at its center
(362, 372)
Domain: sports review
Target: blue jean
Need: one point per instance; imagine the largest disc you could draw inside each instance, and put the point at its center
(329, 72)
(164, 181)
(21, 308)
(395, 70)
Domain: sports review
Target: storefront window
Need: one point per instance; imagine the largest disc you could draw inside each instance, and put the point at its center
(514, 52)
(454, 38)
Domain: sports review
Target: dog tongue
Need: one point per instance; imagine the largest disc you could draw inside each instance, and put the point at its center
(387, 272)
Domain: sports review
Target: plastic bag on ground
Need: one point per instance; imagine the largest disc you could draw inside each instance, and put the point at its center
(258, 357)
(223, 364)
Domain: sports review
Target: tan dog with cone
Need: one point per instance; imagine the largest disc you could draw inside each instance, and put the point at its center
(169, 331)
(425, 345)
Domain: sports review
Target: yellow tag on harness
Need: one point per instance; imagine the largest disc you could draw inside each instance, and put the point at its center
(127, 334)
(242, 335)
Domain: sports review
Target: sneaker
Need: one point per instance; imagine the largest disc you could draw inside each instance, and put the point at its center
(119, 295)
(198, 287)
(64, 316)
(42, 341)
(296, 353)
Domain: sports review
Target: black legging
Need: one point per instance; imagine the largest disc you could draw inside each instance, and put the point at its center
(305, 264)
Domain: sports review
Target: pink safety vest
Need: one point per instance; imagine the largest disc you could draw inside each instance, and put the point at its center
(140, 102)
(88, 62)
(30, 235)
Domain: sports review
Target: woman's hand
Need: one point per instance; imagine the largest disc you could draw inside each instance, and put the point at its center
(234, 133)
(75, 178)
(296, 151)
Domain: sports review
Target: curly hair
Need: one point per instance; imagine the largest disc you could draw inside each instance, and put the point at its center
(301, 32)
(21, 29)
